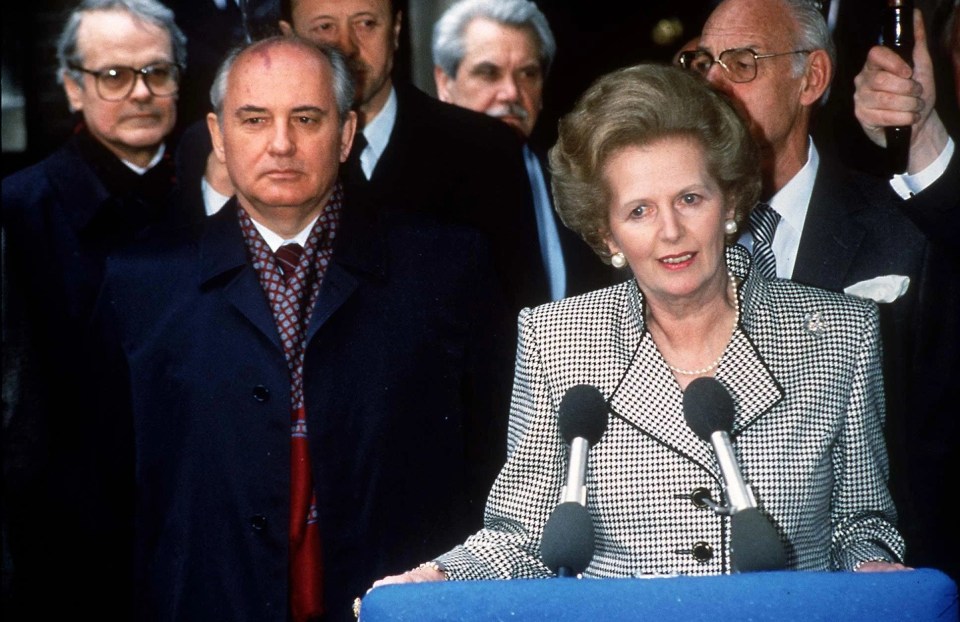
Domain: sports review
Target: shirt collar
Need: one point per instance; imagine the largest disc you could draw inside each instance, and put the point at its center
(377, 132)
(275, 241)
(792, 201)
(140, 170)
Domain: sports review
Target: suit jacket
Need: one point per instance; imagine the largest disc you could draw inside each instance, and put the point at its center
(857, 229)
(585, 270)
(803, 370)
(61, 218)
(405, 378)
(464, 167)
(936, 210)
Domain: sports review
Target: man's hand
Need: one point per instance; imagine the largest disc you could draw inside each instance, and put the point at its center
(888, 92)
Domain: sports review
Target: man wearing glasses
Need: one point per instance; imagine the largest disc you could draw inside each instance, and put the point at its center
(825, 225)
(120, 63)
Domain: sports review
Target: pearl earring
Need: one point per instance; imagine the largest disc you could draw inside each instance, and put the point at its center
(618, 260)
(730, 226)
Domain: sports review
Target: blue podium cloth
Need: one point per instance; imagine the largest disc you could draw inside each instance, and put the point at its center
(920, 595)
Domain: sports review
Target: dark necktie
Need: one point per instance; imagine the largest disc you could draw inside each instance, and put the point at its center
(288, 256)
(763, 225)
(354, 168)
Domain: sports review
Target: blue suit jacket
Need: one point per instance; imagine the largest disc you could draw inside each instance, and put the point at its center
(406, 385)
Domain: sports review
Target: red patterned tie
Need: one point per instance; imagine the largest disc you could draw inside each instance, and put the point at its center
(288, 256)
(306, 570)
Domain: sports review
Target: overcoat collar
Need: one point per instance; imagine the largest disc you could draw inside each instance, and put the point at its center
(358, 257)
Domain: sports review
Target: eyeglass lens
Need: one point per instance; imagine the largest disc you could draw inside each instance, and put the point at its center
(740, 65)
(116, 83)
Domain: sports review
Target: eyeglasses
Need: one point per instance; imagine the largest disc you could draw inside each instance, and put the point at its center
(116, 83)
(739, 63)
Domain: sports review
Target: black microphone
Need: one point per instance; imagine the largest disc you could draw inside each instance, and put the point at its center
(582, 418)
(566, 546)
(708, 410)
(897, 35)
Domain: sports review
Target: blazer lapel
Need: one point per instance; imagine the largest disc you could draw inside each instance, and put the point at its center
(831, 236)
(224, 264)
(649, 398)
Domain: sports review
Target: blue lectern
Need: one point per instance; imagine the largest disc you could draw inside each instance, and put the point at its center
(921, 595)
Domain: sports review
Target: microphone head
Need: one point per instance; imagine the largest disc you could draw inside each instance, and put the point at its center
(567, 540)
(583, 413)
(754, 543)
(708, 407)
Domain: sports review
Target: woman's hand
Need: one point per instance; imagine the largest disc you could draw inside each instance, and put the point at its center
(422, 574)
(877, 566)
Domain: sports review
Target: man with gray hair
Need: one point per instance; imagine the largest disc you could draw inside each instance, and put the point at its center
(825, 225)
(492, 56)
(317, 387)
(120, 63)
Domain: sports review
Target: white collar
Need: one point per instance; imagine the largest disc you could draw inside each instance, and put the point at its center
(377, 132)
(140, 170)
(792, 201)
(275, 241)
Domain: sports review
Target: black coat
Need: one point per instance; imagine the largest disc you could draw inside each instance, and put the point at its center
(61, 218)
(407, 377)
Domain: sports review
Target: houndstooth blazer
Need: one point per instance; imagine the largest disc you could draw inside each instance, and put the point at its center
(804, 371)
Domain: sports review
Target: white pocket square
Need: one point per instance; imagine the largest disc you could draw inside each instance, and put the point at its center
(880, 289)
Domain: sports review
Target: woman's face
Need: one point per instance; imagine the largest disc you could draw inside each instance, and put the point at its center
(666, 216)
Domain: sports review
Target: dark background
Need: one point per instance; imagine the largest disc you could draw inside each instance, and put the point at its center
(593, 37)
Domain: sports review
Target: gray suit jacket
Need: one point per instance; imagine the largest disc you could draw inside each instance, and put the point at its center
(803, 368)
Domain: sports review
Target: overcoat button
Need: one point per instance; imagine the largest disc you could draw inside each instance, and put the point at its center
(261, 393)
(702, 551)
(258, 522)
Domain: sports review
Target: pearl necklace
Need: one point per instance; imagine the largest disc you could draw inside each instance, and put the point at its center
(736, 321)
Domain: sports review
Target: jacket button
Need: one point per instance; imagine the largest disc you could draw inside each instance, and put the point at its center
(702, 551)
(261, 393)
(258, 522)
(698, 495)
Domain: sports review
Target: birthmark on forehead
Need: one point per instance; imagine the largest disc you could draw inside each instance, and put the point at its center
(264, 55)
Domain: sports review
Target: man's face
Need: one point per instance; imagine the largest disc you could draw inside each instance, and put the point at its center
(364, 31)
(281, 138)
(771, 102)
(132, 128)
(500, 74)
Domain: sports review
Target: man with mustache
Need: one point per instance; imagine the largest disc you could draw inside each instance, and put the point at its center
(120, 63)
(413, 153)
(492, 56)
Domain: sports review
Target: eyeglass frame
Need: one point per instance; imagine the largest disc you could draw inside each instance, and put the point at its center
(140, 73)
(729, 73)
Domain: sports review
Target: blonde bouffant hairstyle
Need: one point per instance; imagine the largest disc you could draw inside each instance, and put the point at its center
(637, 106)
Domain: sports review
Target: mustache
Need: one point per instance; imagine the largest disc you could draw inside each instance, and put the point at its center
(507, 110)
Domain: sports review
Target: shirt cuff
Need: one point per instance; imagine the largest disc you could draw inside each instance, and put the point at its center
(908, 185)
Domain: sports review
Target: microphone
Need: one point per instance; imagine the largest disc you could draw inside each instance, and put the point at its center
(708, 410)
(582, 418)
(898, 36)
(566, 546)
